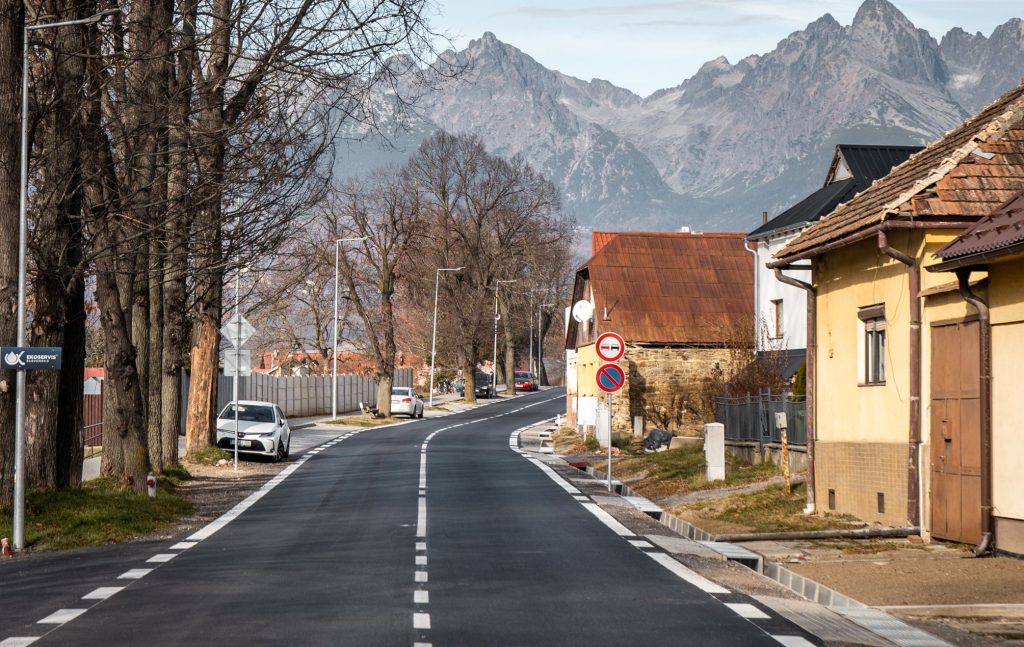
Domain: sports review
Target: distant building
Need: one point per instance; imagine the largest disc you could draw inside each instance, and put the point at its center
(781, 309)
(678, 300)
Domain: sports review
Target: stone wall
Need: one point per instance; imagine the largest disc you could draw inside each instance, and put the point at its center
(666, 383)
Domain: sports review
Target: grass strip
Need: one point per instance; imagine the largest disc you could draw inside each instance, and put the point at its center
(101, 512)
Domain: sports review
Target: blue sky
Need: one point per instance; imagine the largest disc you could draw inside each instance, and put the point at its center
(648, 45)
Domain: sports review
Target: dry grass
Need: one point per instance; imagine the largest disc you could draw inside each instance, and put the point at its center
(766, 510)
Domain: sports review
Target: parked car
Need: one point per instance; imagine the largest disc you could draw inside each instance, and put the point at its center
(405, 400)
(527, 381)
(262, 429)
(482, 386)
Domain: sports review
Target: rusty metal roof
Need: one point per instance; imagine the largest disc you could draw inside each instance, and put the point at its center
(599, 239)
(678, 288)
(961, 176)
(1002, 231)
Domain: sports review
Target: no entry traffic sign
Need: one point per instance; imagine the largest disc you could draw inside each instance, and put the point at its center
(610, 347)
(610, 378)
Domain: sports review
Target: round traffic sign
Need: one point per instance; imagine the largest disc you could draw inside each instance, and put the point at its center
(610, 378)
(610, 347)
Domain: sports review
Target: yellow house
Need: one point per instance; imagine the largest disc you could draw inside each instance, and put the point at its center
(889, 347)
(995, 246)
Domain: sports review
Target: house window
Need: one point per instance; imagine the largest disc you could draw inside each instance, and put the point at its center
(776, 314)
(872, 362)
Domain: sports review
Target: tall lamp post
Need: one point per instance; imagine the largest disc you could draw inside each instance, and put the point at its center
(334, 353)
(494, 360)
(18, 521)
(433, 336)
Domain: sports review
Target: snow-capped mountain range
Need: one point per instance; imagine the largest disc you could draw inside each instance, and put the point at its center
(728, 143)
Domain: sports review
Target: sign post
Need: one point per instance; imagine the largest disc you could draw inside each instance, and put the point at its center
(610, 379)
(21, 359)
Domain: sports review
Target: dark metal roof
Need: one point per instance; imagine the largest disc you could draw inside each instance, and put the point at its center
(1000, 231)
(870, 163)
(961, 176)
(865, 163)
(814, 206)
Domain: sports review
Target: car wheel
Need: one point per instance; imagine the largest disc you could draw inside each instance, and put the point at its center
(288, 448)
(281, 453)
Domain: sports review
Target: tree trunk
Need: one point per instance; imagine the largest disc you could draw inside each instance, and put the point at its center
(154, 361)
(469, 383)
(11, 22)
(202, 388)
(384, 384)
(542, 375)
(57, 199)
(510, 352)
(70, 449)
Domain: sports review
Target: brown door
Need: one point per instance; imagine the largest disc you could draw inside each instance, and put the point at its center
(956, 433)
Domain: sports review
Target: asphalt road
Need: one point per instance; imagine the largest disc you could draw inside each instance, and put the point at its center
(434, 532)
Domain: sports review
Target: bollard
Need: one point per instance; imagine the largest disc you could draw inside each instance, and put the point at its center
(5, 548)
(714, 450)
(151, 485)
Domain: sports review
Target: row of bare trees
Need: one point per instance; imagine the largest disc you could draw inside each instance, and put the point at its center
(452, 205)
(170, 144)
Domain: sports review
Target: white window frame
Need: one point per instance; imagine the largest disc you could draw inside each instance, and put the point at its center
(871, 345)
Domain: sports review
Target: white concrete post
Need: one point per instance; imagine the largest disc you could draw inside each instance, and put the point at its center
(714, 450)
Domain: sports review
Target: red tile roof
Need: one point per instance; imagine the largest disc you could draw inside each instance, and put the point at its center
(949, 180)
(682, 288)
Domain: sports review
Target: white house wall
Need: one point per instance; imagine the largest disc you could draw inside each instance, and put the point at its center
(794, 300)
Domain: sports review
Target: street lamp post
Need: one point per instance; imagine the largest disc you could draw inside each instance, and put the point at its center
(433, 336)
(334, 353)
(494, 360)
(18, 521)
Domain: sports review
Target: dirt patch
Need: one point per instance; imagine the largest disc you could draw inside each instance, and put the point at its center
(921, 578)
(212, 491)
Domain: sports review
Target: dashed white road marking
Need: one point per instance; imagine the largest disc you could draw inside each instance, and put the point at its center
(608, 520)
(421, 621)
(421, 545)
(19, 641)
(793, 641)
(135, 574)
(184, 545)
(421, 597)
(421, 518)
(701, 582)
(421, 560)
(102, 593)
(748, 611)
(161, 558)
(60, 616)
(421, 576)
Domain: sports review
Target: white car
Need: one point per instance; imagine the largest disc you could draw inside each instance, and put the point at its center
(404, 400)
(262, 426)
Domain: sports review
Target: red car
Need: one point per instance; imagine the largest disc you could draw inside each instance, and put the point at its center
(526, 381)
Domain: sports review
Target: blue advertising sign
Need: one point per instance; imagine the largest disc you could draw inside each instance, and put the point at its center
(27, 358)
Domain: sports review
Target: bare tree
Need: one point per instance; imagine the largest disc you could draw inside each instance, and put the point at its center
(383, 211)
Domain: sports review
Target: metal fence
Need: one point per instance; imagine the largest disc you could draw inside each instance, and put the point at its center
(307, 395)
(92, 419)
(752, 418)
(297, 396)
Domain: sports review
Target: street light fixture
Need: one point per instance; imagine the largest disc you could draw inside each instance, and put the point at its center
(334, 355)
(494, 360)
(18, 521)
(433, 337)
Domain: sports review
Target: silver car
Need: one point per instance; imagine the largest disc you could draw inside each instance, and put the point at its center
(262, 426)
(405, 400)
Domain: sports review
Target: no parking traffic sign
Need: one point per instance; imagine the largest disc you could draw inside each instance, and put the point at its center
(610, 378)
(610, 347)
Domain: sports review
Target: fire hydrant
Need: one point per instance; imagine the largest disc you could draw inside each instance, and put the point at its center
(151, 485)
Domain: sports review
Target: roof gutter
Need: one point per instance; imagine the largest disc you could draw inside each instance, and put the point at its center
(984, 406)
(914, 458)
(864, 234)
(809, 402)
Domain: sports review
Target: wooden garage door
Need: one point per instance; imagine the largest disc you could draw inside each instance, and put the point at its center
(956, 433)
